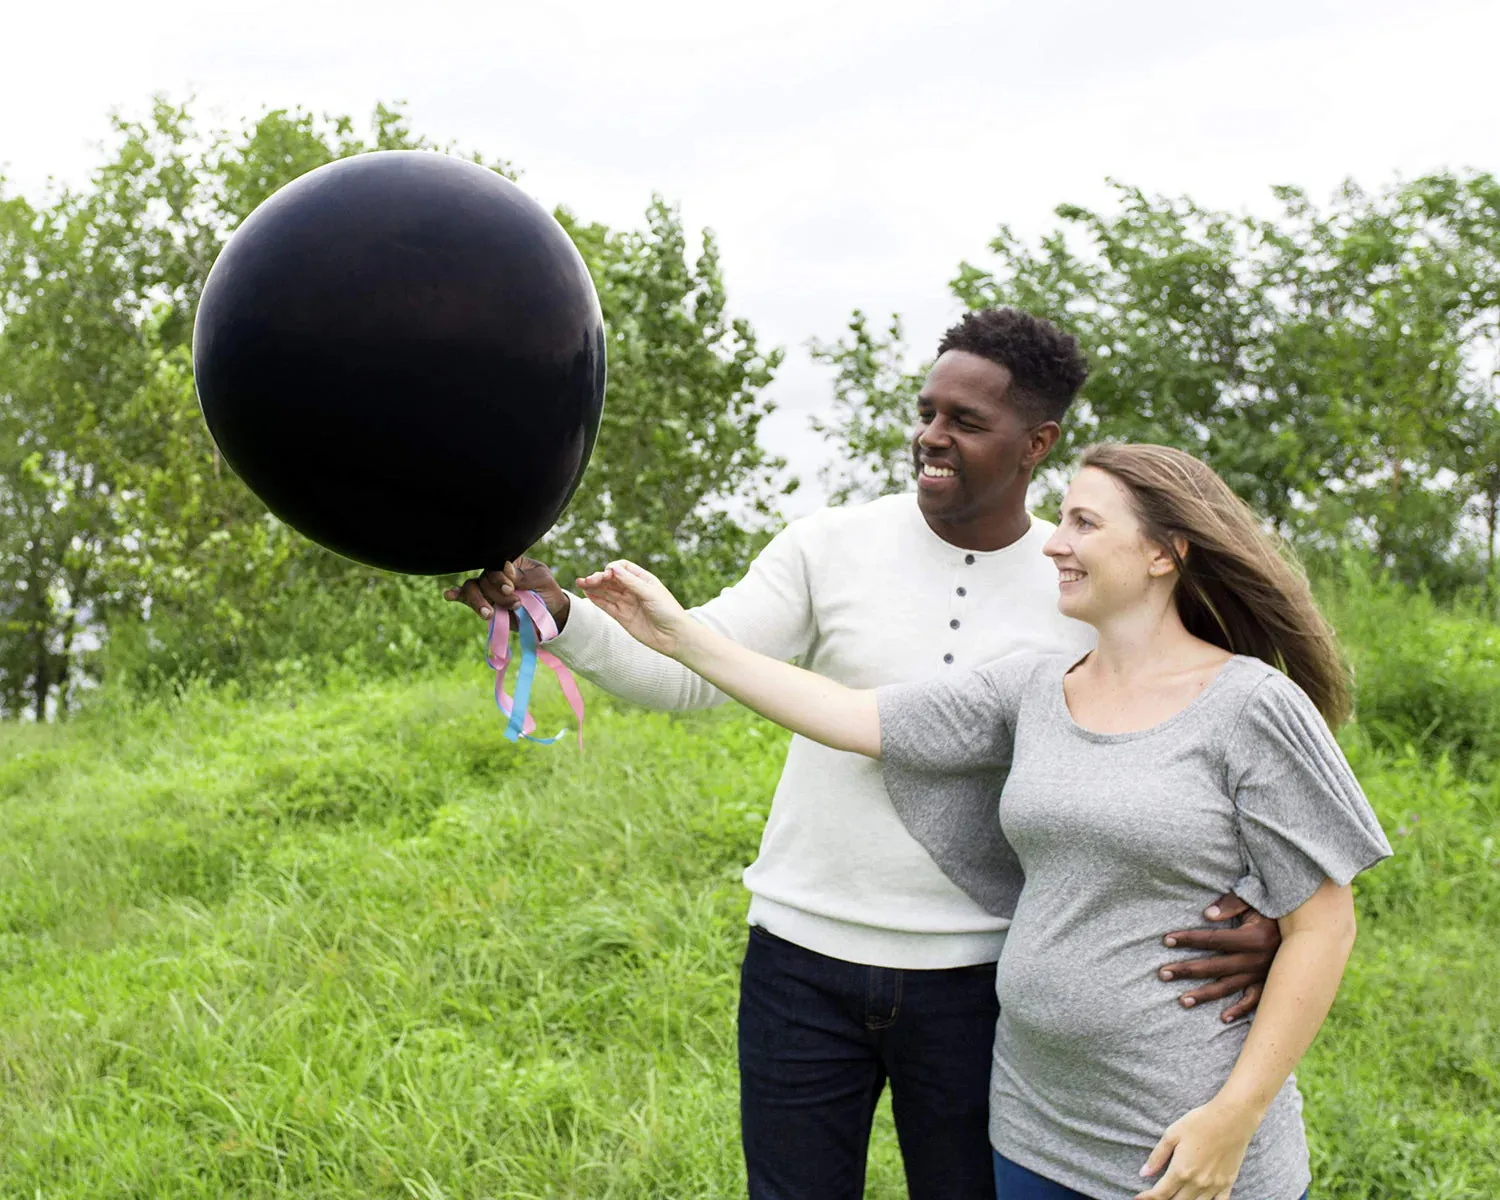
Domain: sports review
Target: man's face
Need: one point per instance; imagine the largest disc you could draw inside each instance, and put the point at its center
(969, 446)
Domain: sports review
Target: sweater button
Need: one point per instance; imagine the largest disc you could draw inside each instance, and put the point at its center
(969, 558)
(953, 624)
(947, 658)
(963, 591)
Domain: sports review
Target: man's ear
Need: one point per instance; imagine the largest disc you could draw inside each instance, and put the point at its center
(1043, 438)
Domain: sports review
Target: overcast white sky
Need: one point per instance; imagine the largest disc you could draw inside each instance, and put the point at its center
(846, 154)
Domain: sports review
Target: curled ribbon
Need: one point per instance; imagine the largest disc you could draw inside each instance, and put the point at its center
(532, 620)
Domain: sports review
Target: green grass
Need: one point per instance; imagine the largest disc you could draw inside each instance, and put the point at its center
(363, 947)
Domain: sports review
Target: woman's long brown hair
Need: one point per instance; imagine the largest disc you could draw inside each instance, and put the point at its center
(1238, 587)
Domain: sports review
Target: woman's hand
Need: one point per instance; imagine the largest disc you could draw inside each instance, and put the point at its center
(640, 602)
(1206, 1149)
(840, 717)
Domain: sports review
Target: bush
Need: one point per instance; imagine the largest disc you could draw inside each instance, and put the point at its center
(1426, 676)
(1441, 823)
(318, 631)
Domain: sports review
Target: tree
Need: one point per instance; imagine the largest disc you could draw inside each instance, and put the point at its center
(122, 524)
(679, 480)
(70, 341)
(1160, 300)
(1323, 361)
(1168, 302)
(1463, 211)
(875, 406)
(1372, 329)
(97, 293)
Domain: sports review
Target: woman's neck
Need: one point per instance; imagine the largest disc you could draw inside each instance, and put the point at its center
(1148, 640)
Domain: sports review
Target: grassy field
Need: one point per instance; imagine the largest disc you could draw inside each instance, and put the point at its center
(359, 946)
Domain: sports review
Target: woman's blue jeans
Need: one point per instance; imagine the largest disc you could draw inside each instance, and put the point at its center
(1015, 1182)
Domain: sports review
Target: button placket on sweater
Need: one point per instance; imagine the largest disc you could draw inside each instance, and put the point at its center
(956, 606)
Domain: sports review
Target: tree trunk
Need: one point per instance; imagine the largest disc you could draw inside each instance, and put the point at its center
(1492, 517)
(63, 665)
(42, 683)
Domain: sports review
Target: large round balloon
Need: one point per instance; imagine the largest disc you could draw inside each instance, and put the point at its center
(402, 354)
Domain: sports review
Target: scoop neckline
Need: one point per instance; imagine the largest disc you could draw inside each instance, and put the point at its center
(1130, 735)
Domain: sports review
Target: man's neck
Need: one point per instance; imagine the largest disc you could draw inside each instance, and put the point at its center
(992, 531)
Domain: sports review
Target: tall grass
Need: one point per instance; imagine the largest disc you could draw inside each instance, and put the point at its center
(363, 947)
(350, 943)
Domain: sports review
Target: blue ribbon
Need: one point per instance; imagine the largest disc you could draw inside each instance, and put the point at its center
(525, 674)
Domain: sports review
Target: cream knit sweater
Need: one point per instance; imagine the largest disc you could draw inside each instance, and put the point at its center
(866, 595)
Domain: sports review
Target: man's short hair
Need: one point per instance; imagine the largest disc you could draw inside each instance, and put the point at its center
(1045, 364)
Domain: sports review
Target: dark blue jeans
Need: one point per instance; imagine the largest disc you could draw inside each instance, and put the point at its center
(1015, 1182)
(819, 1038)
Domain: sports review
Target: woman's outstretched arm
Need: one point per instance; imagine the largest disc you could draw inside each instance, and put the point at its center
(802, 701)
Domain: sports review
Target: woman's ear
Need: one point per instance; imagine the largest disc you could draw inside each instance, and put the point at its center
(1162, 563)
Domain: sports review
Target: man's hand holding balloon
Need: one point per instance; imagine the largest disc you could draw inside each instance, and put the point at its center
(501, 589)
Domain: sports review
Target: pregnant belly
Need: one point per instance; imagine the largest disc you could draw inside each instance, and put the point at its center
(1071, 998)
(1100, 1049)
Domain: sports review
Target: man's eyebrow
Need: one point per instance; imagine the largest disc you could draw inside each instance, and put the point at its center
(961, 410)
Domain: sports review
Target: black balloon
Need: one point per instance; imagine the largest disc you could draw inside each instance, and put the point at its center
(402, 355)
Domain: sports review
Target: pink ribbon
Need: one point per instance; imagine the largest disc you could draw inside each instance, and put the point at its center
(532, 619)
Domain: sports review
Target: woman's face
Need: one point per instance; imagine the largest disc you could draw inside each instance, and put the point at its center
(1105, 564)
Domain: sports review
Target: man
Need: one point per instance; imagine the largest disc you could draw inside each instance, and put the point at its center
(865, 962)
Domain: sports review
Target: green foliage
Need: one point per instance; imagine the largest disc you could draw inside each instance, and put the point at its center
(1403, 1086)
(119, 522)
(679, 481)
(117, 504)
(1162, 305)
(1442, 823)
(1338, 366)
(874, 408)
(1427, 677)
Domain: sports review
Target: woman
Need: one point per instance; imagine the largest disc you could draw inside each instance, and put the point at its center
(1173, 762)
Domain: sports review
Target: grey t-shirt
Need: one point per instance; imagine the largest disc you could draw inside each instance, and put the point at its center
(1121, 838)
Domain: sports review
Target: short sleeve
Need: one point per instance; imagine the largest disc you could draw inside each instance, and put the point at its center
(1302, 815)
(945, 750)
(963, 723)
